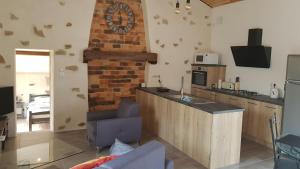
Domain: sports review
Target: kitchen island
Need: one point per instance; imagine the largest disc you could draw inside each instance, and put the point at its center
(208, 132)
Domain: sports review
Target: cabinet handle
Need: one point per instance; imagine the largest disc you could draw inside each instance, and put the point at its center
(252, 103)
(269, 107)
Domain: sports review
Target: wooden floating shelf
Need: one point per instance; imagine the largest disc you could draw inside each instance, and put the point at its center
(136, 56)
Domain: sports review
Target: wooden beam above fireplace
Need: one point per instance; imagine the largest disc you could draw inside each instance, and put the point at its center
(136, 56)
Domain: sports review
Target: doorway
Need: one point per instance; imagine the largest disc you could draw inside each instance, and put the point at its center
(33, 90)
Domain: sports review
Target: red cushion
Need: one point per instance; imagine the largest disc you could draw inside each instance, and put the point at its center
(94, 163)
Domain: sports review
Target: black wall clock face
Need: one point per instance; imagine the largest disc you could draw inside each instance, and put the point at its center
(120, 18)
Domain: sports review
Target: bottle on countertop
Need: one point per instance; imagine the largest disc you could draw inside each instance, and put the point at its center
(237, 83)
(220, 84)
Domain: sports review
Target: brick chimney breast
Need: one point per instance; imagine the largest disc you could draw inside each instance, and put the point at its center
(111, 80)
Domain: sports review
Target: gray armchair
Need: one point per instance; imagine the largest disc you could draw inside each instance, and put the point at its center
(105, 126)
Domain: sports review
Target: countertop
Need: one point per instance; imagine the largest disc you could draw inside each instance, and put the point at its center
(213, 108)
(259, 97)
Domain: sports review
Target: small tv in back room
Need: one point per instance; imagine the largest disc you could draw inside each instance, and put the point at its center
(6, 100)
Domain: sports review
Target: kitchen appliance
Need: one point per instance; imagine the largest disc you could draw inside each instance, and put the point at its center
(291, 116)
(206, 58)
(199, 76)
(6, 100)
(253, 55)
(207, 76)
(228, 85)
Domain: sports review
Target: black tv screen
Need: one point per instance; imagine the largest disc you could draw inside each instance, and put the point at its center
(252, 56)
(6, 100)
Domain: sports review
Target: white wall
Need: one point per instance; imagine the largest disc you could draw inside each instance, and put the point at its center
(40, 13)
(170, 33)
(281, 30)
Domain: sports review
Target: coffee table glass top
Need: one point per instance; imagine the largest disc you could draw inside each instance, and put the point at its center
(44, 153)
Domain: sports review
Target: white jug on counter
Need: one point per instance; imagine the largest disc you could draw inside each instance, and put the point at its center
(274, 94)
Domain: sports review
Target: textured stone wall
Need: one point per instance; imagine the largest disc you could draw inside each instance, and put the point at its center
(112, 80)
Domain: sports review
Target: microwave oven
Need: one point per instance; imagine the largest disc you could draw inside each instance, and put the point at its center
(206, 58)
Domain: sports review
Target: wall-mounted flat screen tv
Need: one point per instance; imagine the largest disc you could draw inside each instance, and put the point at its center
(6, 100)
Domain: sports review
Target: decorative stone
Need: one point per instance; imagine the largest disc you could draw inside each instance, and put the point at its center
(31, 84)
(25, 43)
(184, 18)
(75, 90)
(7, 66)
(2, 60)
(196, 48)
(157, 41)
(13, 17)
(162, 46)
(192, 23)
(209, 24)
(180, 39)
(69, 24)
(38, 32)
(156, 17)
(48, 26)
(200, 43)
(60, 52)
(190, 13)
(186, 61)
(8, 33)
(81, 124)
(1, 25)
(61, 127)
(68, 120)
(206, 17)
(167, 63)
(82, 96)
(62, 3)
(71, 54)
(175, 44)
(72, 68)
(165, 21)
(158, 23)
(68, 46)
(188, 72)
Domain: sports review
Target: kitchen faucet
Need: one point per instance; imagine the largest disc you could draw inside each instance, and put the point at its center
(181, 90)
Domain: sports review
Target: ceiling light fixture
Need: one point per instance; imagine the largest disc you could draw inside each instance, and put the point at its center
(188, 4)
(177, 11)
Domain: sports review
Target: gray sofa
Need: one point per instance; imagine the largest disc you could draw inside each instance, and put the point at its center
(151, 155)
(124, 124)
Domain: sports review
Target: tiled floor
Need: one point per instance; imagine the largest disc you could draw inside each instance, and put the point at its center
(253, 156)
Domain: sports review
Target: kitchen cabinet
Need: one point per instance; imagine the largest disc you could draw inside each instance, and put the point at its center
(255, 117)
(222, 98)
(204, 94)
(253, 126)
(267, 111)
(241, 102)
(197, 133)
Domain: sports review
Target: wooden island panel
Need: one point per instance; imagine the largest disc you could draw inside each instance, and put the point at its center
(212, 140)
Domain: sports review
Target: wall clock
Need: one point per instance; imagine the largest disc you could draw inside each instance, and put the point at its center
(120, 18)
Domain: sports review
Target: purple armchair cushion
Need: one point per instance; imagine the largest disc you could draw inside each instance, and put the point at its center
(128, 108)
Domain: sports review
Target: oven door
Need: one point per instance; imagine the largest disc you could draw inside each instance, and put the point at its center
(199, 78)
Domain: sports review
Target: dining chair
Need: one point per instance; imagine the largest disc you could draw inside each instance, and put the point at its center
(284, 156)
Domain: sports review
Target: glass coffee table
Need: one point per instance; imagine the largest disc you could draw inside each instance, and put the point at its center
(44, 153)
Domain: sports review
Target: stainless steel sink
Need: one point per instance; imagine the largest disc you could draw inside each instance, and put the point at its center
(194, 100)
